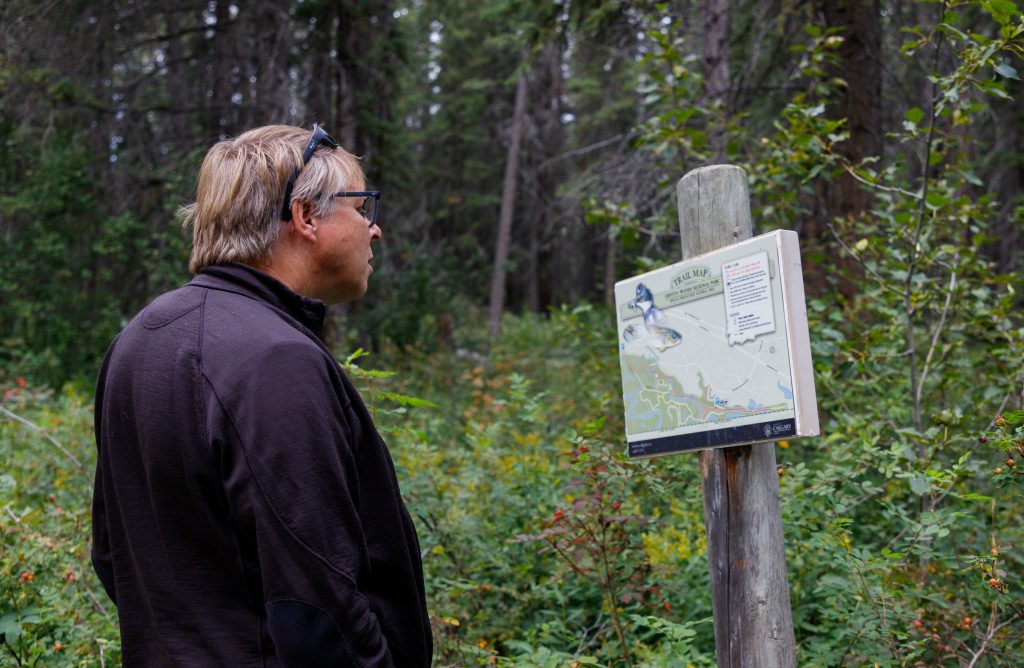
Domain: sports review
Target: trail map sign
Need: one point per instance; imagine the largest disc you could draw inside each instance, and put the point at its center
(715, 350)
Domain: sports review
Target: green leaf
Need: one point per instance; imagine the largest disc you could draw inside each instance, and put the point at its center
(10, 627)
(1014, 417)
(972, 178)
(920, 485)
(1006, 71)
(815, 111)
(1001, 10)
(914, 115)
(936, 200)
(406, 400)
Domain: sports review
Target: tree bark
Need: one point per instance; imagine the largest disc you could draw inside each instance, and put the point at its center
(224, 39)
(545, 215)
(716, 71)
(177, 82)
(609, 268)
(264, 84)
(345, 92)
(508, 197)
(859, 103)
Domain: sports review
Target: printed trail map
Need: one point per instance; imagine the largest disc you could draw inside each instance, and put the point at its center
(706, 350)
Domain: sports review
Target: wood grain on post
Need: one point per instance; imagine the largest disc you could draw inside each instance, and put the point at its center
(750, 593)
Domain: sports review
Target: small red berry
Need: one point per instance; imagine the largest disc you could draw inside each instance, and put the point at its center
(1010, 462)
(983, 439)
(57, 647)
(993, 582)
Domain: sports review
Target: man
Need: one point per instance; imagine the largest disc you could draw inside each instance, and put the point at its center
(246, 511)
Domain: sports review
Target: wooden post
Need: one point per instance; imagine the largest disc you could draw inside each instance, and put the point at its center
(750, 594)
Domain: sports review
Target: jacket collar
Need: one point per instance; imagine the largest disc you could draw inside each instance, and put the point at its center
(244, 280)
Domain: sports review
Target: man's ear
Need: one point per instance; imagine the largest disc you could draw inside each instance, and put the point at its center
(303, 223)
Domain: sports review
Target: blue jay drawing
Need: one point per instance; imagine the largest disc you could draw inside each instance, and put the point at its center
(659, 334)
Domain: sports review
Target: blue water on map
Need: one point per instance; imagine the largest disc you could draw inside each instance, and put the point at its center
(786, 392)
(649, 414)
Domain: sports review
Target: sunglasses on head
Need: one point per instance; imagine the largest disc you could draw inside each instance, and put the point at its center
(371, 204)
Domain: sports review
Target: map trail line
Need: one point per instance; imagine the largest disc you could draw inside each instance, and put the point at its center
(675, 397)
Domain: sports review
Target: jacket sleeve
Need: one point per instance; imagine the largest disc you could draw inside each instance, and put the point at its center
(290, 471)
(102, 562)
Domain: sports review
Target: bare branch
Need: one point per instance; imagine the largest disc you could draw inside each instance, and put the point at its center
(881, 280)
(34, 427)
(938, 332)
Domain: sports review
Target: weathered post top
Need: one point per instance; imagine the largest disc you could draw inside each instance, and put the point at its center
(714, 208)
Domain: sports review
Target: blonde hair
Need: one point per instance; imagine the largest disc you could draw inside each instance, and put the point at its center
(237, 213)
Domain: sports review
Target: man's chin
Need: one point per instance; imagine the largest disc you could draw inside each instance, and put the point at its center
(352, 294)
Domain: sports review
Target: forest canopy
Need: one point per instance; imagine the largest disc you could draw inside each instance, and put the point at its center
(106, 109)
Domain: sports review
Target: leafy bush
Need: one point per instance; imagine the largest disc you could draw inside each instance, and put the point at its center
(53, 611)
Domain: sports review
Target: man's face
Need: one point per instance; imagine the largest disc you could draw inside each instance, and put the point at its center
(341, 259)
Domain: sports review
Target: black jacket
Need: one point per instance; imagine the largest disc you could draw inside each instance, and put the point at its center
(246, 511)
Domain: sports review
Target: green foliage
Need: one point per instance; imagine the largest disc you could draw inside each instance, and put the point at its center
(507, 448)
(891, 517)
(893, 522)
(53, 611)
(73, 265)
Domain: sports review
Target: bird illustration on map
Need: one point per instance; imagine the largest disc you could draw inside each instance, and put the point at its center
(659, 334)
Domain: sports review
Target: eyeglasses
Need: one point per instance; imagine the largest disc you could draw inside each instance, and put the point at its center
(370, 206)
(320, 136)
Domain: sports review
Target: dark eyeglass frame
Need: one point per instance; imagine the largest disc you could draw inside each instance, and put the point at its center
(320, 136)
(368, 194)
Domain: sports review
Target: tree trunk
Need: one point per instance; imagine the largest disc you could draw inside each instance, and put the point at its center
(176, 133)
(861, 68)
(716, 71)
(270, 44)
(345, 92)
(545, 216)
(224, 40)
(508, 197)
(609, 268)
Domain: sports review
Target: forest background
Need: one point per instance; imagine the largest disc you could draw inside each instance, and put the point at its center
(527, 152)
